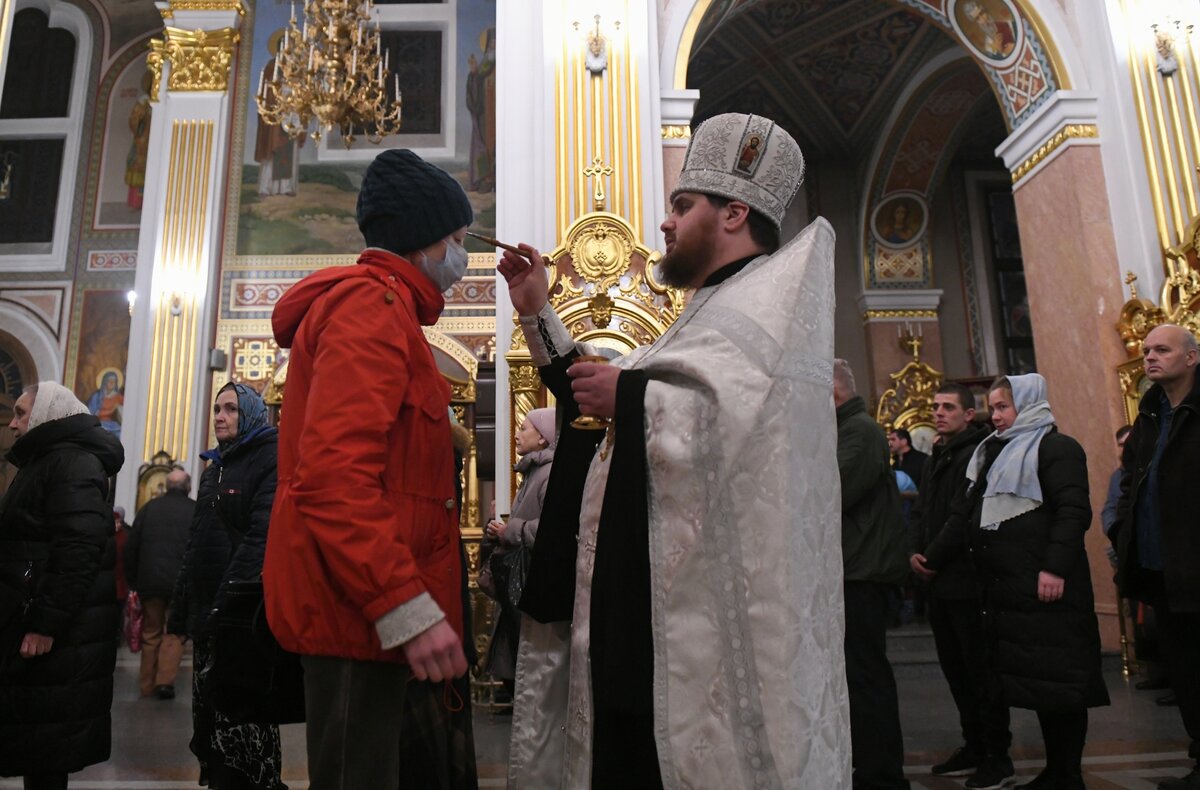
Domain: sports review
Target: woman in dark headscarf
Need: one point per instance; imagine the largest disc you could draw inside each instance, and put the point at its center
(228, 538)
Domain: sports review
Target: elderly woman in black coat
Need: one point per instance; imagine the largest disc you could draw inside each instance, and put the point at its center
(58, 615)
(1023, 519)
(227, 541)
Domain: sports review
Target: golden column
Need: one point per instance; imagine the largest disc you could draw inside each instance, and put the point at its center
(179, 244)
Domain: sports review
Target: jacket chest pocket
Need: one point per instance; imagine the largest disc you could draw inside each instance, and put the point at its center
(421, 446)
(229, 503)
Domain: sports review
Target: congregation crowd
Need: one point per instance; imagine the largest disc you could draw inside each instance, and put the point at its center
(697, 595)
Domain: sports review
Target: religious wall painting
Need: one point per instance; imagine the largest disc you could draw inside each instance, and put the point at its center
(990, 29)
(481, 104)
(899, 220)
(299, 197)
(126, 143)
(103, 351)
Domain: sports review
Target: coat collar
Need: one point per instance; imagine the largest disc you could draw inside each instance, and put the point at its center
(855, 405)
(1149, 404)
(386, 267)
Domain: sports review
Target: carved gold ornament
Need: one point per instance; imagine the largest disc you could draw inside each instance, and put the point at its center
(1073, 131)
(908, 402)
(676, 132)
(199, 59)
(604, 288)
(203, 5)
(893, 314)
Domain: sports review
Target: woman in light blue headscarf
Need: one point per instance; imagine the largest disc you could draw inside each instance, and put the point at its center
(1024, 518)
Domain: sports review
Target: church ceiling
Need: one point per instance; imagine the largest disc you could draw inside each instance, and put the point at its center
(828, 70)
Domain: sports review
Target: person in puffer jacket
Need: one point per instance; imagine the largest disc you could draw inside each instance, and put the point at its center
(226, 544)
(1022, 522)
(58, 614)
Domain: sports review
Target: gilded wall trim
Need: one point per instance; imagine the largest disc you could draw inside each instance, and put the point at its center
(1072, 131)
(177, 310)
(199, 59)
(596, 118)
(676, 132)
(887, 315)
(204, 5)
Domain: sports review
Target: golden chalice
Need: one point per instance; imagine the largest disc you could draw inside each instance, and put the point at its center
(590, 422)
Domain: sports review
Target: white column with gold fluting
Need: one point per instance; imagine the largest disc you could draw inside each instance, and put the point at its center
(166, 389)
(571, 138)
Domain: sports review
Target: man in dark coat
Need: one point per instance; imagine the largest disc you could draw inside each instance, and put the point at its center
(58, 616)
(153, 557)
(1158, 548)
(954, 610)
(873, 552)
(905, 457)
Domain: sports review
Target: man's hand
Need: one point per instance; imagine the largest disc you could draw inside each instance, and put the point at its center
(917, 563)
(595, 388)
(436, 653)
(1050, 587)
(528, 282)
(496, 529)
(36, 645)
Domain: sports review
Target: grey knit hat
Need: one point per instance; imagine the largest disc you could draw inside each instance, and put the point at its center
(746, 158)
(406, 204)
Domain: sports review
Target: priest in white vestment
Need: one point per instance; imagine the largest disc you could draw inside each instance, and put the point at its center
(706, 645)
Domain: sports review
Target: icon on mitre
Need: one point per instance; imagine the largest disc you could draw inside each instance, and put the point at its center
(751, 152)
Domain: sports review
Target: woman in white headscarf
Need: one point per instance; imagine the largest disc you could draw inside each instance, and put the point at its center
(1024, 517)
(58, 614)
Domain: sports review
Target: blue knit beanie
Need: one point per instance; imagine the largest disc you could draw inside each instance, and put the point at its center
(406, 204)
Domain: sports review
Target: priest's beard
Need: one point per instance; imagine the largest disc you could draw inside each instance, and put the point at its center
(680, 267)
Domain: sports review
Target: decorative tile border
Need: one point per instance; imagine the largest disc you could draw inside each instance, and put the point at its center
(112, 260)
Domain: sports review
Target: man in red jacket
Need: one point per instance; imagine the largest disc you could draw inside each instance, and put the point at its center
(362, 574)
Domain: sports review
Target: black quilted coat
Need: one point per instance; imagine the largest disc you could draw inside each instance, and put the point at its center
(229, 530)
(56, 578)
(1047, 654)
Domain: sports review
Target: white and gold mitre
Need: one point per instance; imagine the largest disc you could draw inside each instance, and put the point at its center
(746, 158)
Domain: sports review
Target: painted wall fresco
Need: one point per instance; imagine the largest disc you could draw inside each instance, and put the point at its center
(297, 199)
(103, 351)
(126, 139)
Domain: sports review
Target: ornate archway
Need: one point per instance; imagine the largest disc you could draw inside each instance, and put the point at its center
(1023, 75)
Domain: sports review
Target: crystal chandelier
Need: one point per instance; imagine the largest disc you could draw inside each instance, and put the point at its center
(331, 72)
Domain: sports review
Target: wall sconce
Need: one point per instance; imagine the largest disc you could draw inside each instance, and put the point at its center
(176, 304)
(10, 159)
(131, 297)
(595, 57)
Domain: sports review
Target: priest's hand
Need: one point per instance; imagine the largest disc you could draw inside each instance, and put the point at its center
(595, 388)
(436, 653)
(528, 282)
(1050, 587)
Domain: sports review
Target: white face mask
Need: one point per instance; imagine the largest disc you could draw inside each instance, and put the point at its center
(447, 271)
